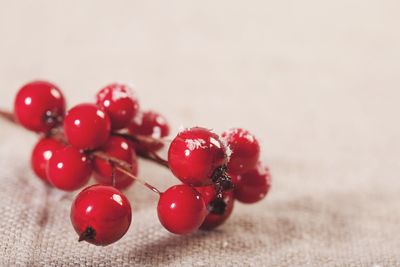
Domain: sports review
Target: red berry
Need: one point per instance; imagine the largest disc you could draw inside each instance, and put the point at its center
(195, 154)
(120, 104)
(42, 153)
(181, 209)
(219, 208)
(252, 186)
(69, 169)
(245, 150)
(39, 106)
(101, 215)
(120, 148)
(86, 126)
(152, 124)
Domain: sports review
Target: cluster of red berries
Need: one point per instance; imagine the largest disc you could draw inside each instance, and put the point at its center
(105, 139)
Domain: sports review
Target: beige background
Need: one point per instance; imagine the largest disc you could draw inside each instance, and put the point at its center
(316, 81)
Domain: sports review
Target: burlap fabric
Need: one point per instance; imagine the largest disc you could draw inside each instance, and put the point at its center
(316, 81)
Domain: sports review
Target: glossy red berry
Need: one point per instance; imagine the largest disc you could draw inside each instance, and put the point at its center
(101, 215)
(120, 148)
(245, 150)
(86, 126)
(181, 209)
(39, 106)
(120, 104)
(42, 153)
(195, 154)
(219, 209)
(152, 124)
(252, 186)
(69, 169)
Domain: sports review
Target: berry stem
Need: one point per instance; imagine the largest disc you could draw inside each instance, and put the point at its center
(123, 167)
(149, 186)
(113, 174)
(137, 138)
(88, 234)
(154, 157)
(149, 140)
(112, 160)
(7, 115)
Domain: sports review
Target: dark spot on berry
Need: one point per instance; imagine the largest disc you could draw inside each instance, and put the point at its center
(217, 206)
(220, 171)
(50, 118)
(226, 183)
(88, 234)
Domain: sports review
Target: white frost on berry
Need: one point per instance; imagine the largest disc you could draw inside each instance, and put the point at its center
(138, 119)
(160, 119)
(123, 90)
(156, 132)
(261, 169)
(120, 91)
(181, 129)
(102, 94)
(193, 144)
(248, 136)
(228, 150)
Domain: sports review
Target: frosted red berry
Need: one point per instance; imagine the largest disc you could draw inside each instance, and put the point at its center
(181, 209)
(69, 169)
(86, 126)
(120, 148)
(39, 106)
(219, 209)
(149, 123)
(245, 150)
(101, 215)
(42, 153)
(252, 186)
(120, 104)
(195, 154)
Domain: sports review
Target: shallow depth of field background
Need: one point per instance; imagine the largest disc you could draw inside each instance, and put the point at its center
(316, 81)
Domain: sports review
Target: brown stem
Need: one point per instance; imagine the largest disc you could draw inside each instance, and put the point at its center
(88, 234)
(58, 134)
(149, 186)
(160, 159)
(7, 115)
(149, 141)
(154, 157)
(111, 159)
(137, 138)
(123, 167)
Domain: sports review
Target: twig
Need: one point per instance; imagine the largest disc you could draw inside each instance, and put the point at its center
(154, 157)
(111, 159)
(123, 167)
(137, 138)
(7, 115)
(149, 186)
